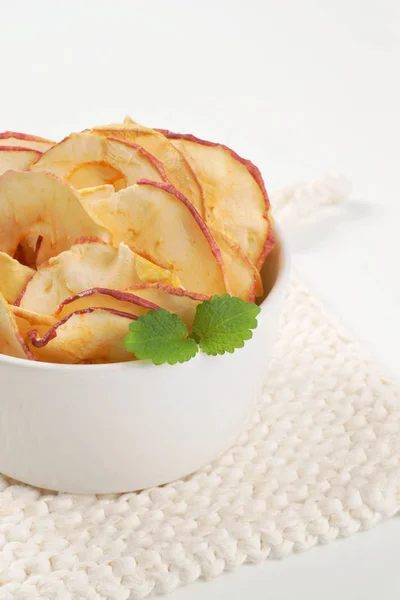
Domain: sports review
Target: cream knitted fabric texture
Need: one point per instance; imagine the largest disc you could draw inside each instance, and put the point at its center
(320, 460)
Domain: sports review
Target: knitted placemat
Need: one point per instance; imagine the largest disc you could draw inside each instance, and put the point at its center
(320, 460)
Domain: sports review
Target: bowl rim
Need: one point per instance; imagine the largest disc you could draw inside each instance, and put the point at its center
(278, 288)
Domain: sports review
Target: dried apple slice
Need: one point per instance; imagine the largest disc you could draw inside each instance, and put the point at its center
(13, 277)
(105, 298)
(177, 168)
(88, 264)
(157, 221)
(11, 340)
(42, 204)
(19, 159)
(145, 296)
(235, 196)
(25, 140)
(242, 275)
(87, 160)
(38, 332)
(92, 335)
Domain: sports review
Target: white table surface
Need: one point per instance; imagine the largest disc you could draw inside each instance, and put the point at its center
(301, 88)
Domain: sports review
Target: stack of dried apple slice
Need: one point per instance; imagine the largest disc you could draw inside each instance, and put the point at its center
(110, 223)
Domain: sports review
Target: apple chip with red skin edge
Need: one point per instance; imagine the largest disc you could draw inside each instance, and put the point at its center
(13, 277)
(42, 204)
(242, 275)
(235, 196)
(146, 296)
(157, 221)
(86, 265)
(177, 168)
(105, 298)
(16, 158)
(88, 160)
(25, 140)
(11, 340)
(92, 335)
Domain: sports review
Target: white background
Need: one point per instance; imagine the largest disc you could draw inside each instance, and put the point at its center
(300, 87)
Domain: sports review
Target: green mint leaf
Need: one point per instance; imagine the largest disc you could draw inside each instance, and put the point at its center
(223, 324)
(161, 336)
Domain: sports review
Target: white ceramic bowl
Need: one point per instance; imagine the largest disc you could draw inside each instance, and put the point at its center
(128, 426)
